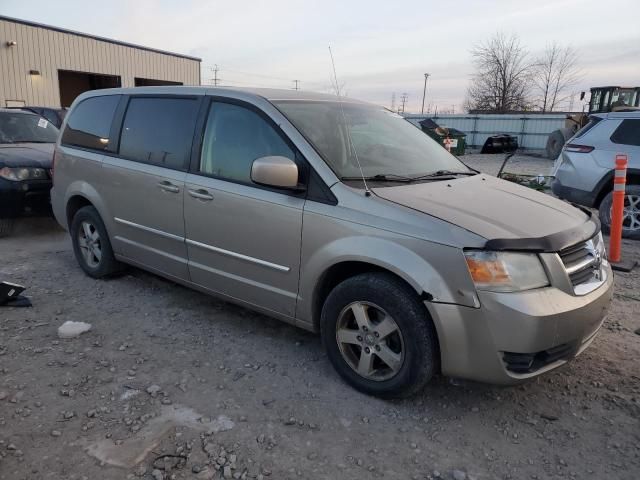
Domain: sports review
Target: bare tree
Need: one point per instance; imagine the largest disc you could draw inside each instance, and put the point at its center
(555, 72)
(501, 81)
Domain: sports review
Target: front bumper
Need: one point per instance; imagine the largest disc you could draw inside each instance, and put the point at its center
(27, 197)
(493, 343)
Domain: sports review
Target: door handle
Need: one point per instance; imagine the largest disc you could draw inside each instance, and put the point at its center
(168, 187)
(201, 194)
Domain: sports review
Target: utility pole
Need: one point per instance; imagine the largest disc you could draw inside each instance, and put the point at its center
(393, 102)
(573, 94)
(215, 78)
(424, 92)
(296, 86)
(403, 99)
(453, 108)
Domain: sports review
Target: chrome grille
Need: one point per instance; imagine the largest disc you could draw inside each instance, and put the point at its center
(583, 264)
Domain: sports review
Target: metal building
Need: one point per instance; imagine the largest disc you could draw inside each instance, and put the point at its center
(41, 65)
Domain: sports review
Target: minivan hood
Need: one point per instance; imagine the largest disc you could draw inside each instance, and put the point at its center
(26, 154)
(489, 207)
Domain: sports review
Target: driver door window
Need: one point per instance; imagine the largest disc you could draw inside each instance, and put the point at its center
(234, 137)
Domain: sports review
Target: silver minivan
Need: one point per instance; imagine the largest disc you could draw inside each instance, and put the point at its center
(339, 217)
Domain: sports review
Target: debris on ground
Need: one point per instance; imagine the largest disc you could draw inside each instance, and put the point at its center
(71, 329)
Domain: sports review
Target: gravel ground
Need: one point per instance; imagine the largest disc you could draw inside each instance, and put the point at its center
(519, 163)
(170, 383)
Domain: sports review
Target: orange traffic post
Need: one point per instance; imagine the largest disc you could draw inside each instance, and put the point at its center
(617, 209)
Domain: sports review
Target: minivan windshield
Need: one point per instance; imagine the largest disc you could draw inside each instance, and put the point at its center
(26, 128)
(387, 146)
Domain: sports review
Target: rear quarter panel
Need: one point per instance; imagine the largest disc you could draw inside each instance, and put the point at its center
(77, 173)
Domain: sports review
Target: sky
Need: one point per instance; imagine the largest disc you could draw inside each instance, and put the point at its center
(380, 47)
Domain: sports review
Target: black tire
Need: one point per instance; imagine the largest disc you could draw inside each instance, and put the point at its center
(420, 345)
(605, 213)
(107, 264)
(555, 142)
(6, 227)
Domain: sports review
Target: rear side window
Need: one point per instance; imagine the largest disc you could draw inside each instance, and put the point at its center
(90, 123)
(627, 133)
(234, 137)
(593, 121)
(159, 131)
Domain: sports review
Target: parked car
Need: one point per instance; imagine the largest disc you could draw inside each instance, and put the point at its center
(26, 150)
(584, 171)
(336, 216)
(54, 115)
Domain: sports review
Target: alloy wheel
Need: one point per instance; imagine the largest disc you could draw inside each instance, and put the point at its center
(631, 213)
(89, 243)
(370, 341)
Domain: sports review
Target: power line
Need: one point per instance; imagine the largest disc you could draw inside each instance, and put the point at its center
(232, 83)
(251, 74)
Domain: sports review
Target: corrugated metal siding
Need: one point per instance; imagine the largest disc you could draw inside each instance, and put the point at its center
(49, 50)
(532, 130)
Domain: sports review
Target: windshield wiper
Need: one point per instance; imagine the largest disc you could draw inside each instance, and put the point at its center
(443, 173)
(392, 177)
(388, 177)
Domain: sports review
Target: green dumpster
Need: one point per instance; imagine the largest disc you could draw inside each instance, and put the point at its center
(443, 135)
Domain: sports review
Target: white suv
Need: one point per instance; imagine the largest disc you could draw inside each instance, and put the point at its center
(584, 171)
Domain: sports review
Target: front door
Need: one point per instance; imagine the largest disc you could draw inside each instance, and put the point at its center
(243, 240)
(144, 184)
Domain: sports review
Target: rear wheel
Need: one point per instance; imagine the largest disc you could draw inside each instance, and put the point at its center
(6, 227)
(91, 244)
(378, 335)
(631, 215)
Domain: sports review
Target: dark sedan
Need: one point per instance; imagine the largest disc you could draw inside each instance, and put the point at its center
(26, 154)
(54, 115)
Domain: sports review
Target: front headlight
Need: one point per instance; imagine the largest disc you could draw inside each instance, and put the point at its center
(23, 173)
(505, 271)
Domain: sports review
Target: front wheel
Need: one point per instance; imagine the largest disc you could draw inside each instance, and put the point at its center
(378, 335)
(631, 213)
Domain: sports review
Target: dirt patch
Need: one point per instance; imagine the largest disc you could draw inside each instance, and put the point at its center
(133, 450)
(519, 163)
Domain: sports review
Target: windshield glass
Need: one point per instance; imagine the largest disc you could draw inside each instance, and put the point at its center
(385, 143)
(21, 127)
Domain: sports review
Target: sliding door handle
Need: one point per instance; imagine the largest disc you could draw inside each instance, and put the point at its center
(168, 187)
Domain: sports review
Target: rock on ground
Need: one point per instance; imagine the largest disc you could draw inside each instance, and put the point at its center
(71, 329)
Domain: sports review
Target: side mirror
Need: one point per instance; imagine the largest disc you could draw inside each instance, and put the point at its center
(581, 95)
(275, 171)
